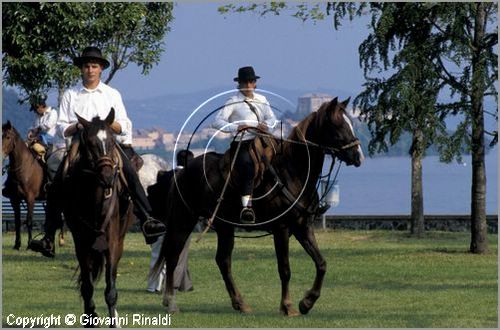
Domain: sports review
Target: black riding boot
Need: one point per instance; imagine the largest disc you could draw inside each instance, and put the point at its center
(244, 177)
(53, 221)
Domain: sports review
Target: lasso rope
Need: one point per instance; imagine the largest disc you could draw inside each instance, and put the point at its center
(221, 197)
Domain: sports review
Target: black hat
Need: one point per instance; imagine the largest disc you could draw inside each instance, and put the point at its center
(246, 73)
(91, 53)
(36, 100)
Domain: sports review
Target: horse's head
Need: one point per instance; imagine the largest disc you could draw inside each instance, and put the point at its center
(337, 133)
(8, 139)
(98, 147)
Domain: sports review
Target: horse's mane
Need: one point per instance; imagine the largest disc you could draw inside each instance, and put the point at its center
(299, 132)
(318, 117)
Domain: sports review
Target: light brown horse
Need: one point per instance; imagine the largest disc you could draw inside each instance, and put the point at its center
(284, 203)
(25, 178)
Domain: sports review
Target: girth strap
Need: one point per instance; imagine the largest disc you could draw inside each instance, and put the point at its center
(310, 210)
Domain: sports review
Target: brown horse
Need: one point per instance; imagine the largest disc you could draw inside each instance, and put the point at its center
(285, 202)
(95, 210)
(25, 178)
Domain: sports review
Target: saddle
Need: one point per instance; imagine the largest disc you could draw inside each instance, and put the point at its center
(262, 151)
(38, 149)
(40, 152)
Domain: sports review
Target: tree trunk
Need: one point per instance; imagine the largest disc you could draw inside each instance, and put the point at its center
(417, 192)
(60, 92)
(479, 242)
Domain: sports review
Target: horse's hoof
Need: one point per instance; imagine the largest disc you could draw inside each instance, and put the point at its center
(169, 302)
(289, 311)
(173, 309)
(245, 309)
(304, 308)
(17, 246)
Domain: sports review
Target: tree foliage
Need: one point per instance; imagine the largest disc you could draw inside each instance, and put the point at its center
(302, 11)
(39, 40)
(405, 100)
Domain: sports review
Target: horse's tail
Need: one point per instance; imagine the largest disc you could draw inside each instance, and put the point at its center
(162, 255)
(168, 215)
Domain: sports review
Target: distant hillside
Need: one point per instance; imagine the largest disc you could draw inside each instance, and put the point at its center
(171, 110)
(19, 115)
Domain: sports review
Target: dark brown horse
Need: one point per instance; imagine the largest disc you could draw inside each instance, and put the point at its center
(25, 178)
(95, 211)
(285, 202)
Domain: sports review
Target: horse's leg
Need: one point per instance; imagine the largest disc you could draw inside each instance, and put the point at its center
(16, 206)
(281, 245)
(86, 282)
(225, 245)
(110, 293)
(61, 235)
(306, 238)
(30, 203)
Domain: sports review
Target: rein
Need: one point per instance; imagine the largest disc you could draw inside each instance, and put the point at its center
(307, 143)
(116, 163)
(311, 209)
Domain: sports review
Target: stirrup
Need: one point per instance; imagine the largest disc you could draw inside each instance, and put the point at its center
(153, 220)
(247, 210)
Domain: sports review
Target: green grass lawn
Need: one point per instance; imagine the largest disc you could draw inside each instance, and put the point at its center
(374, 279)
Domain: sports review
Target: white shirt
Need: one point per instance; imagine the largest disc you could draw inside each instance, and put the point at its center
(47, 123)
(236, 112)
(89, 103)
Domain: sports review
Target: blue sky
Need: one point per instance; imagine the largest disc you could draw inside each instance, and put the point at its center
(204, 49)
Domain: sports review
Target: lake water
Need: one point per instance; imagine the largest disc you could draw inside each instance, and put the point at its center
(383, 186)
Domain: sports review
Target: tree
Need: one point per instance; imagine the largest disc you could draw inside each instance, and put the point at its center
(463, 37)
(39, 40)
(406, 100)
(471, 32)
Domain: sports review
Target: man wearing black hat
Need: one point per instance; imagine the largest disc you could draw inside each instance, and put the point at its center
(94, 98)
(243, 110)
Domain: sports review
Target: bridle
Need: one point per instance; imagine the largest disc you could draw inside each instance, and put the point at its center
(96, 166)
(94, 169)
(14, 136)
(12, 143)
(333, 151)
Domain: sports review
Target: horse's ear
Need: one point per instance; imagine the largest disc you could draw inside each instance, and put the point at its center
(335, 112)
(333, 103)
(346, 102)
(111, 117)
(82, 121)
(8, 124)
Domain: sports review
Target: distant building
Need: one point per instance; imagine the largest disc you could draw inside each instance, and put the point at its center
(141, 139)
(311, 102)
